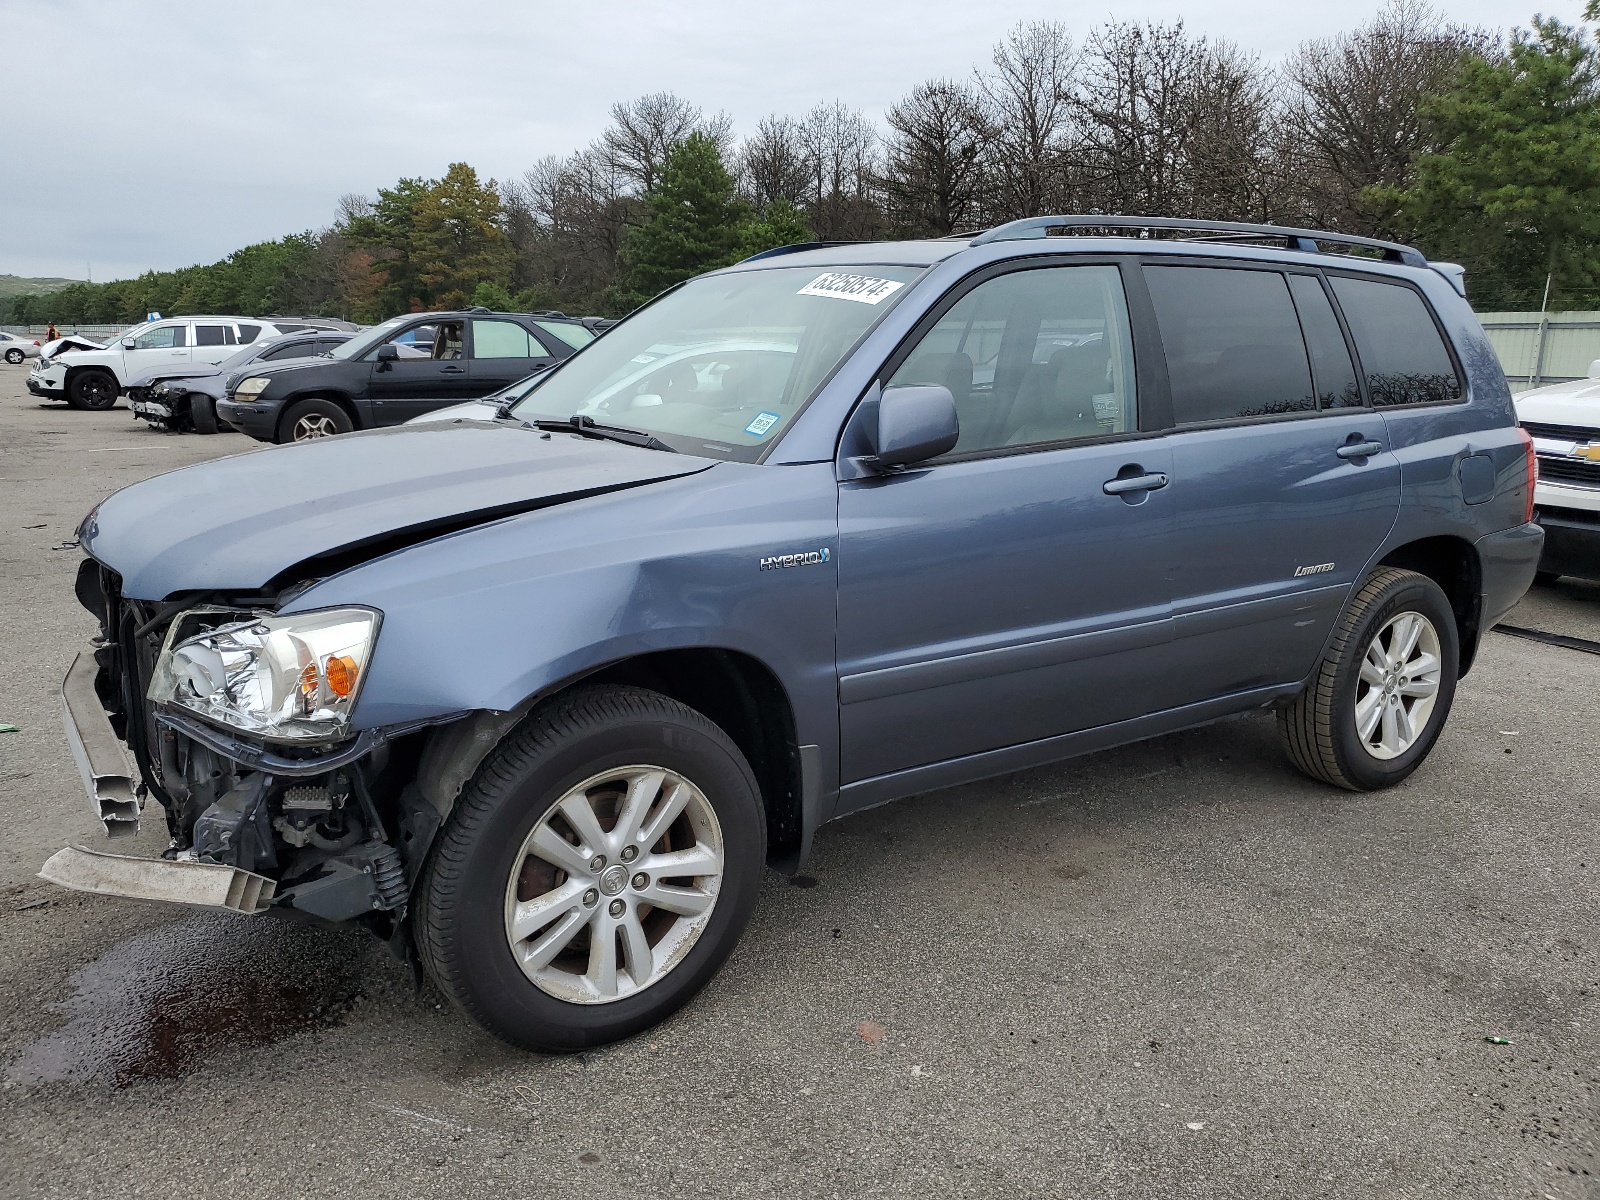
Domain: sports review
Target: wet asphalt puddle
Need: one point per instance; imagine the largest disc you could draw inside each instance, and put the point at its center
(157, 1005)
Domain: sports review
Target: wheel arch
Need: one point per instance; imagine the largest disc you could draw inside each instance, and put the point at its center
(1452, 563)
(733, 689)
(85, 368)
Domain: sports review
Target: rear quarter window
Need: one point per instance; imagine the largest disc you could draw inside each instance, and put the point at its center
(1403, 355)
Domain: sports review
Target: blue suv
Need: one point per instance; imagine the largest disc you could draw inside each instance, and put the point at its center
(536, 698)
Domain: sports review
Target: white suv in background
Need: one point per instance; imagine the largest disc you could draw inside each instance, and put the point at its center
(94, 378)
(1564, 422)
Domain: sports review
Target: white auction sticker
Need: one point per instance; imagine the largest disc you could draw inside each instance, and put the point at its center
(861, 288)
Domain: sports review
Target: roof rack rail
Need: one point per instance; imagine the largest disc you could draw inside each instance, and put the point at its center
(797, 247)
(1308, 241)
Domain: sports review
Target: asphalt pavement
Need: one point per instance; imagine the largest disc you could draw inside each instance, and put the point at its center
(1174, 970)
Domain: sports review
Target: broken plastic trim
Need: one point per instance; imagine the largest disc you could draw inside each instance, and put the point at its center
(261, 759)
(197, 884)
(102, 765)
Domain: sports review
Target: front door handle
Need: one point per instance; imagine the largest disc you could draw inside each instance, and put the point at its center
(1121, 486)
(1359, 450)
(454, 371)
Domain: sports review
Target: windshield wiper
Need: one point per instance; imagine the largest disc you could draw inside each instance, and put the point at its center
(586, 427)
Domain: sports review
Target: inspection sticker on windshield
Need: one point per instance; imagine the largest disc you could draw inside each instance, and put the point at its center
(842, 286)
(763, 422)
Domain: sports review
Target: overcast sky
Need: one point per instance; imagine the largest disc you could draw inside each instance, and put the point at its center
(156, 135)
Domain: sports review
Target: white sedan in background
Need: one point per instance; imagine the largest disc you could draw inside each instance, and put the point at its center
(14, 348)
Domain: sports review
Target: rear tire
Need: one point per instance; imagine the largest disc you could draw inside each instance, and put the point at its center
(312, 419)
(15, 356)
(202, 413)
(600, 753)
(1330, 730)
(94, 391)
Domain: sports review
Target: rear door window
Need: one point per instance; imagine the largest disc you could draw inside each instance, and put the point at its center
(1402, 354)
(1331, 368)
(1232, 342)
(213, 335)
(504, 339)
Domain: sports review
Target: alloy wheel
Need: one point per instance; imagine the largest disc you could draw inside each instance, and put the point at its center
(1398, 685)
(614, 884)
(313, 425)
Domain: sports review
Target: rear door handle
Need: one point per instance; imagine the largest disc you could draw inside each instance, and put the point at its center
(1134, 483)
(454, 371)
(1359, 450)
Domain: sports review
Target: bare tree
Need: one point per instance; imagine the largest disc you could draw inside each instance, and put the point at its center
(775, 163)
(842, 148)
(1029, 95)
(1351, 119)
(568, 218)
(1172, 125)
(643, 130)
(932, 169)
(1227, 152)
(1133, 108)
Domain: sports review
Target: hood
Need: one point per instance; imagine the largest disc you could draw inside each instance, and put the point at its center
(69, 343)
(1576, 403)
(264, 520)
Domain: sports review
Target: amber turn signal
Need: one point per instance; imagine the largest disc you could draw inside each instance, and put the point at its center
(340, 671)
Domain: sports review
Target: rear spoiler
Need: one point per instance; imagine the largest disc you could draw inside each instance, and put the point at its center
(1455, 273)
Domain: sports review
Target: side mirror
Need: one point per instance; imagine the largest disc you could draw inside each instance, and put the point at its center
(129, 344)
(387, 354)
(1594, 369)
(915, 424)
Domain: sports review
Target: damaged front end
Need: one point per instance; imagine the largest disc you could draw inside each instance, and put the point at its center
(239, 721)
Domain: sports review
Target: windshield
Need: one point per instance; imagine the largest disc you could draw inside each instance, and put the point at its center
(362, 342)
(723, 364)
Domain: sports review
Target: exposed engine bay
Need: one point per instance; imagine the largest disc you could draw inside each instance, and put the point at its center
(339, 822)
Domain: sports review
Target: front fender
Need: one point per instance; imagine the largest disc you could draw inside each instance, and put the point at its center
(488, 617)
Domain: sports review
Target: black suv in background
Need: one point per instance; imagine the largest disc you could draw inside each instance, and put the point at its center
(398, 370)
(183, 398)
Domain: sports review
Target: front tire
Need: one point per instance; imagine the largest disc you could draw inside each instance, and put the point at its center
(312, 419)
(202, 413)
(595, 873)
(1380, 697)
(92, 390)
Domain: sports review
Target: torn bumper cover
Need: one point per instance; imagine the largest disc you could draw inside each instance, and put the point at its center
(102, 764)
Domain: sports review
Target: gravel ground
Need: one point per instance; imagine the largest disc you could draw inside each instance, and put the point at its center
(1176, 969)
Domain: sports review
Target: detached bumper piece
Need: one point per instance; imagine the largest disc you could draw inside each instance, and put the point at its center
(200, 885)
(102, 763)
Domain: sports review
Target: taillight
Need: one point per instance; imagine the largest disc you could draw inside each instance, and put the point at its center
(1532, 469)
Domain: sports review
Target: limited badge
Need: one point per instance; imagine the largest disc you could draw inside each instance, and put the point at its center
(762, 423)
(841, 285)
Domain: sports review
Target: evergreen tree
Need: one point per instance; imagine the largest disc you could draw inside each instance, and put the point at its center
(1514, 190)
(694, 221)
(781, 224)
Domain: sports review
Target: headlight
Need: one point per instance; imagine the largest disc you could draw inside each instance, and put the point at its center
(253, 386)
(292, 678)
